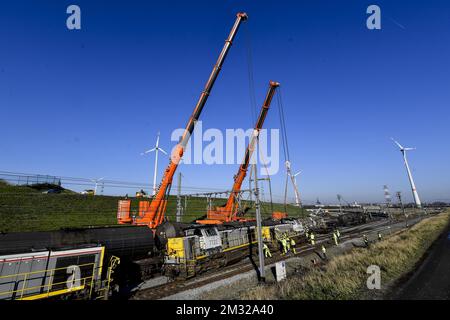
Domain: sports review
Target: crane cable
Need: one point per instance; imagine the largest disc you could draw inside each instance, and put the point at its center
(284, 138)
(267, 174)
(250, 77)
(251, 80)
(284, 141)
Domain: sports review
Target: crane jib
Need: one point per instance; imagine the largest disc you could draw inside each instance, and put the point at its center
(211, 80)
(229, 211)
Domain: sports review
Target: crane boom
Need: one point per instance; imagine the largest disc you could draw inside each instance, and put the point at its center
(228, 212)
(153, 214)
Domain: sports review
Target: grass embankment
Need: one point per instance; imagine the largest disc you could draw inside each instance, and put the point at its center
(344, 277)
(24, 208)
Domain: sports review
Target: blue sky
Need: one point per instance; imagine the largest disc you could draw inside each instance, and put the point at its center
(86, 103)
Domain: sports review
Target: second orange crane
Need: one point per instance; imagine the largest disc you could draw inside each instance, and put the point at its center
(229, 211)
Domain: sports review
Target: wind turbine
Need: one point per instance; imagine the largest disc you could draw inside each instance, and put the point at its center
(298, 202)
(156, 149)
(411, 181)
(297, 195)
(96, 181)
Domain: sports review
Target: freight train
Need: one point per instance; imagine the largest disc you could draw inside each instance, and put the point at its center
(78, 263)
(193, 249)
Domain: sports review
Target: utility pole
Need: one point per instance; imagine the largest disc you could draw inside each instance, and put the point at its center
(399, 197)
(96, 181)
(179, 205)
(339, 197)
(262, 274)
(250, 183)
(270, 191)
(387, 196)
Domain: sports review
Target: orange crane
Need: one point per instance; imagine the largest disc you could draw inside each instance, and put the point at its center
(228, 212)
(152, 213)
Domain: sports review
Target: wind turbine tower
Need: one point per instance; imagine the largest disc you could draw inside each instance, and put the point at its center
(387, 195)
(156, 149)
(298, 202)
(96, 181)
(411, 181)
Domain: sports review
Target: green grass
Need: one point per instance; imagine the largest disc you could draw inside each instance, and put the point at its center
(24, 208)
(344, 277)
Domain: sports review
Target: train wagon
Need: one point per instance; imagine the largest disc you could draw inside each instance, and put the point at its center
(196, 249)
(44, 274)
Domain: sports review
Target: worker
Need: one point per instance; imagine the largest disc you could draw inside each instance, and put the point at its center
(335, 238)
(366, 240)
(280, 242)
(288, 244)
(324, 251)
(293, 246)
(307, 233)
(379, 236)
(284, 244)
(312, 237)
(266, 250)
(338, 234)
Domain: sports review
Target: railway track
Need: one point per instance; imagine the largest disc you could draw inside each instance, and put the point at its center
(170, 288)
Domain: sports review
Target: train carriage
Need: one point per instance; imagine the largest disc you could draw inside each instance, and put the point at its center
(44, 274)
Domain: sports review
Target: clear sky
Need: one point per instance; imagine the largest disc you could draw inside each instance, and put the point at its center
(86, 103)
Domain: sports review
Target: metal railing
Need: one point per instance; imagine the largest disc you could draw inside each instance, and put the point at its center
(45, 290)
(29, 179)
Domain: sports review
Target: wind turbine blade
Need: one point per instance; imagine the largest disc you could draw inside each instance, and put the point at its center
(157, 140)
(408, 149)
(161, 149)
(101, 179)
(297, 173)
(398, 144)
